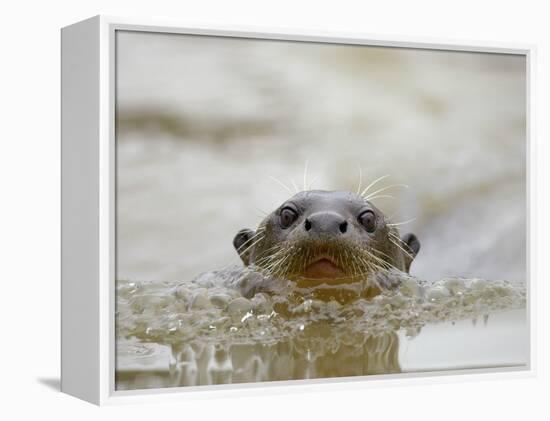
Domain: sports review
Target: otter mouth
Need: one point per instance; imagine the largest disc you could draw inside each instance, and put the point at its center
(323, 267)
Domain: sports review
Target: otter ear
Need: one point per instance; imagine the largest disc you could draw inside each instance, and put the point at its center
(242, 243)
(413, 246)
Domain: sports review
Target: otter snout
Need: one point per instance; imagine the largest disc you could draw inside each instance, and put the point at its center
(326, 223)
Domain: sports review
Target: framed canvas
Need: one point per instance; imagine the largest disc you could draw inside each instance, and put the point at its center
(249, 209)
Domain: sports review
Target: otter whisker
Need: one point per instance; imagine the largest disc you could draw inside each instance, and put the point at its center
(391, 186)
(382, 253)
(370, 265)
(360, 265)
(396, 224)
(305, 174)
(369, 253)
(288, 189)
(266, 262)
(373, 183)
(357, 263)
(277, 247)
(273, 258)
(360, 180)
(307, 257)
(277, 264)
(270, 258)
(259, 232)
(311, 183)
(381, 262)
(382, 196)
(294, 185)
(251, 245)
(304, 260)
(377, 261)
(353, 260)
(389, 218)
(244, 247)
(264, 213)
(265, 259)
(284, 270)
(375, 282)
(367, 269)
(402, 249)
(370, 261)
(396, 237)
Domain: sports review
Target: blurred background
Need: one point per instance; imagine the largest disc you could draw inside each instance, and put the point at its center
(203, 123)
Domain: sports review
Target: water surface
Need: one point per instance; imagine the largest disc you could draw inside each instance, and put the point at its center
(205, 332)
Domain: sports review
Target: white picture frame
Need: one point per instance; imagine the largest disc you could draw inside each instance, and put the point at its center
(88, 211)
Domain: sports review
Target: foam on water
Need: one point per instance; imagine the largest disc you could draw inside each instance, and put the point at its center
(216, 335)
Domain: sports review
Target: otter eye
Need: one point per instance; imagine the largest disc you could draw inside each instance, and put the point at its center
(368, 220)
(288, 216)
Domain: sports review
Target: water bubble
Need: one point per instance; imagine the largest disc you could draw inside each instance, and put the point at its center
(410, 287)
(261, 303)
(201, 302)
(437, 293)
(478, 284)
(182, 292)
(455, 286)
(239, 305)
(220, 300)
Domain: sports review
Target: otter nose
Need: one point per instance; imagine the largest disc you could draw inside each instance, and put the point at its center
(328, 223)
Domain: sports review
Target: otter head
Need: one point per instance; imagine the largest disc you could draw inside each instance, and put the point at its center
(325, 235)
